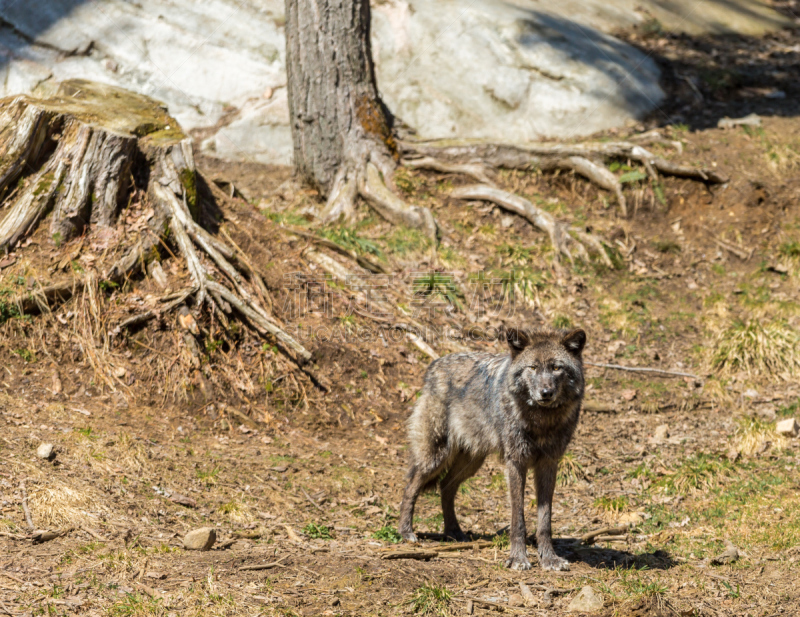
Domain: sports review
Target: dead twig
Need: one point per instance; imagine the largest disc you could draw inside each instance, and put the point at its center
(642, 369)
(313, 503)
(264, 566)
(28, 518)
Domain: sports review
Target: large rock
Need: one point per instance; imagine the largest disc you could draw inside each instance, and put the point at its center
(517, 71)
(200, 539)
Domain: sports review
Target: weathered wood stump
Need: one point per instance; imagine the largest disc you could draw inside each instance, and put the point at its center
(74, 157)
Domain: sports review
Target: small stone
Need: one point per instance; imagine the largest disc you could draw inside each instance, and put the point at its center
(788, 427)
(506, 222)
(46, 451)
(661, 433)
(515, 600)
(200, 539)
(587, 601)
(527, 594)
(730, 555)
(335, 602)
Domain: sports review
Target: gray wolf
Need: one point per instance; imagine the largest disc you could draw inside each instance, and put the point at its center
(523, 404)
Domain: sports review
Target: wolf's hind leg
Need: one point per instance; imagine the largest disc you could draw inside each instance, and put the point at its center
(462, 468)
(420, 476)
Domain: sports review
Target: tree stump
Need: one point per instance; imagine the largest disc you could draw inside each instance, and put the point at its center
(79, 156)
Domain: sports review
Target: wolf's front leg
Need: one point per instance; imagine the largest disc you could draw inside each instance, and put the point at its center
(545, 479)
(515, 474)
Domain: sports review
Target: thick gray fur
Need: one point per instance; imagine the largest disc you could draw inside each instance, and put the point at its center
(523, 405)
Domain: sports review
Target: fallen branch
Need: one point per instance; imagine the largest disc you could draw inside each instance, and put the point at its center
(264, 566)
(450, 547)
(420, 555)
(642, 369)
(589, 538)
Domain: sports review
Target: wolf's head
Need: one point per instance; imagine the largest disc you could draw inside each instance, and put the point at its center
(546, 365)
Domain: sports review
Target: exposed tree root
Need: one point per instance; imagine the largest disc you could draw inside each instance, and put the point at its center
(560, 233)
(476, 171)
(369, 183)
(83, 145)
(392, 208)
(585, 159)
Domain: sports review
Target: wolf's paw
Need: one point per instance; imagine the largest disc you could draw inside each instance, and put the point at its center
(409, 536)
(553, 563)
(518, 563)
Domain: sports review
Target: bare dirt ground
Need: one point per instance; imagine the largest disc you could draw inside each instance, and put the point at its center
(158, 432)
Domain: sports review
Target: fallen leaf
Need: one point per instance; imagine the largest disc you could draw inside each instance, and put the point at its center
(628, 395)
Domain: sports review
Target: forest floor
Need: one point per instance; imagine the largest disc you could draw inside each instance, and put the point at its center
(155, 436)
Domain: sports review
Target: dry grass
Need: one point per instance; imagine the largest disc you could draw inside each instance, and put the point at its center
(61, 506)
(569, 470)
(758, 347)
(752, 433)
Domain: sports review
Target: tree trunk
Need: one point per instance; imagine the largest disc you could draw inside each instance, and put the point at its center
(338, 119)
(340, 126)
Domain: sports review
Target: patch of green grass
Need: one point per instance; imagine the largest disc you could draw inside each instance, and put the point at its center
(611, 504)
(498, 482)
(790, 248)
(642, 470)
(316, 531)
(388, 534)
(698, 471)
(347, 237)
(26, 354)
(404, 240)
(431, 599)
(209, 477)
(562, 321)
(638, 586)
(288, 218)
(230, 508)
(501, 541)
(792, 410)
(136, 605)
(632, 177)
(435, 285)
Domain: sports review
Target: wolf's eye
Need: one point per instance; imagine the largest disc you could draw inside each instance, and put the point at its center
(558, 369)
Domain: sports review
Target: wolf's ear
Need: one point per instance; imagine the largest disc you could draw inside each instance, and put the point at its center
(517, 340)
(574, 340)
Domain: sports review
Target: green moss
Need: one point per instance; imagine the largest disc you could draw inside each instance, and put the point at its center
(189, 181)
(44, 184)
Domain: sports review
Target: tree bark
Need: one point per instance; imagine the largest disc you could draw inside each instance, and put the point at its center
(339, 123)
